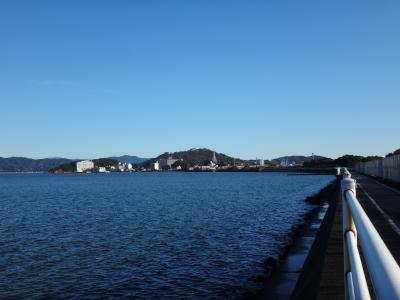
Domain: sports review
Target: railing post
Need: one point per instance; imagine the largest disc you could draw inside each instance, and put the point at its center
(348, 225)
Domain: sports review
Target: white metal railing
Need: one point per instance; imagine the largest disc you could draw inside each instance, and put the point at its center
(383, 269)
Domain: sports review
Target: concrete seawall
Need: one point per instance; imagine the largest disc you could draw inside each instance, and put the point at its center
(295, 271)
(309, 283)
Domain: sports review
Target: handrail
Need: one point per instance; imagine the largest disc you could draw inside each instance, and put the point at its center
(383, 268)
(360, 286)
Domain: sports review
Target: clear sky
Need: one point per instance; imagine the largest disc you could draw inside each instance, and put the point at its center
(84, 79)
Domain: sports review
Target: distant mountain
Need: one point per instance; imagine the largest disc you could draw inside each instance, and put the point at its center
(298, 159)
(195, 156)
(129, 159)
(23, 164)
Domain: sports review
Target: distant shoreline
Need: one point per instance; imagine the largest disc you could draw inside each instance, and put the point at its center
(294, 171)
(23, 172)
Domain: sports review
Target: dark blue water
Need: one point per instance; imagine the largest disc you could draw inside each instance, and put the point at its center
(144, 235)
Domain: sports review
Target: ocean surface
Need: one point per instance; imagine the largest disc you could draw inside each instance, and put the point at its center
(145, 235)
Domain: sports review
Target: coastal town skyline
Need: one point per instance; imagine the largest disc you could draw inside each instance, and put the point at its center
(250, 80)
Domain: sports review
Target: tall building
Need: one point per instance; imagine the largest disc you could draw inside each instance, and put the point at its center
(156, 166)
(214, 159)
(82, 166)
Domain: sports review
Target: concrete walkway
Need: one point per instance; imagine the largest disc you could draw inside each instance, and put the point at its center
(382, 205)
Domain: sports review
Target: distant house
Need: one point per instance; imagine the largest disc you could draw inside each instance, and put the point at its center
(102, 170)
(121, 167)
(205, 168)
(84, 165)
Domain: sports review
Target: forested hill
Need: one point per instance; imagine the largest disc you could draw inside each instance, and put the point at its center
(23, 164)
(196, 156)
(298, 159)
(129, 159)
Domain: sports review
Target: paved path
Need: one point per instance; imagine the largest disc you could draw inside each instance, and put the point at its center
(331, 285)
(382, 205)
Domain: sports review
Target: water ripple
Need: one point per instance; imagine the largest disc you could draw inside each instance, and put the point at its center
(144, 236)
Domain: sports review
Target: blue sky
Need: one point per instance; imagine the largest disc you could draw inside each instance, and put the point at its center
(247, 78)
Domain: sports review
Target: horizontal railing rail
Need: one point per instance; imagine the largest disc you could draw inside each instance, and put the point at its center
(382, 267)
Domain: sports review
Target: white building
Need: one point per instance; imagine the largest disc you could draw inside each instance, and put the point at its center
(82, 166)
(212, 165)
(102, 170)
(156, 166)
(214, 158)
(121, 167)
(129, 167)
(260, 162)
